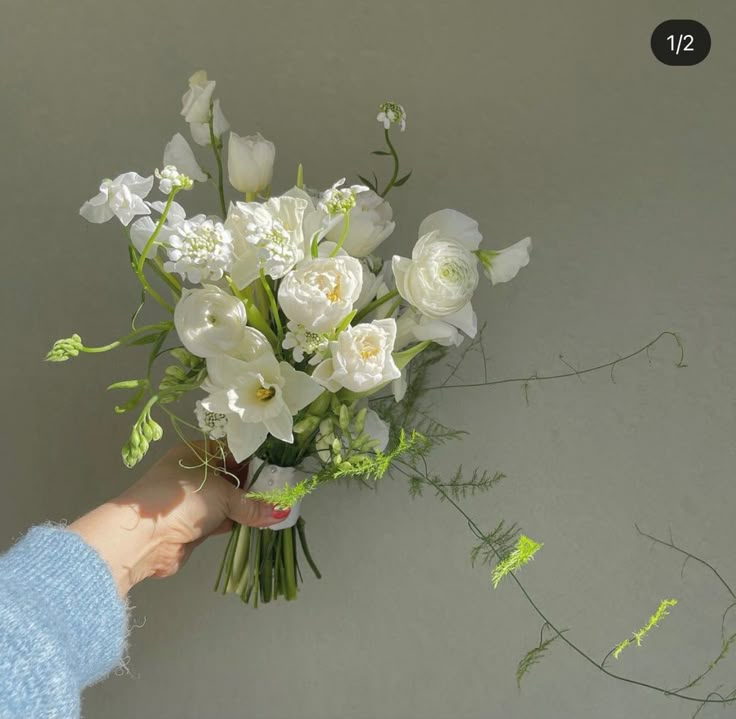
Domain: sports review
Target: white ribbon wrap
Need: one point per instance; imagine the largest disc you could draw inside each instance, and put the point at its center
(273, 477)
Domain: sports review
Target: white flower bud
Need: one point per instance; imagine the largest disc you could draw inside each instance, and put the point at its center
(250, 162)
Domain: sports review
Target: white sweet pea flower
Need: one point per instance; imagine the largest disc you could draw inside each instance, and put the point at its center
(211, 322)
(370, 225)
(200, 250)
(440, 278)
(413, 326)
(201, 130)
(195, 103)
(179, 153)
(256, 398)
(142, 229)
(503, 265)
(361, 358)
(266, 236)
(171, 179)
(321, 292)
(302, 342)
(121, 198)
(391, 113)
(250, 162)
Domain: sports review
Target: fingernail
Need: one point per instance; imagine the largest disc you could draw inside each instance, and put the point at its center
(280, 513)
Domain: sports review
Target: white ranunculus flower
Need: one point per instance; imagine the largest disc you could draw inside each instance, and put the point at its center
(370, 225)
(319, 293)
(440, 278)
(142, 229)
(361, 358)
(503, 265)
(179, 153)
(210, 322)
(250, 162)
(200, 250)
(195, 103)
(201, 130)
(255, 398)
(266, 236)
(121, 198)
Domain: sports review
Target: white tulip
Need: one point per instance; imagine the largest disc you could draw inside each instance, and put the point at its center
(121, 198)
(361, 358)
(267, 236)
(254, 399)
(370, 224)
(210, 322)
(179, 153)
(321, 292)
(250, 162)
(503, 265)
(440, 278)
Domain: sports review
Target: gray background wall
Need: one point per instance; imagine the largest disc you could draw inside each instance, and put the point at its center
(537, 118)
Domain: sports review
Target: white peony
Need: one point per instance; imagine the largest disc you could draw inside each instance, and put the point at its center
(199, 250)
(250, 162)
(370, 225)
(440, 278)
(210, 322)
(266, 236)
(361, 358)
(121, 198)
(319, 293)
(503, 265)
(255, 398)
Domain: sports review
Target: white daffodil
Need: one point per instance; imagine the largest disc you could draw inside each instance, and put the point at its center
(319, 293)
(121, 198)
(503, 265)
(250, 162)
(361, 358)
(391, 113)
(256, 398)
(267, 236)
(370, 225)
(199, 250)
(212, 322)
(178, 152)
(440, 278)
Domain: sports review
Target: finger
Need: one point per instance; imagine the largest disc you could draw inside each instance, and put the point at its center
(248, 511)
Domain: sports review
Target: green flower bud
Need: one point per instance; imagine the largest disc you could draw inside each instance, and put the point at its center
(360, 420)
(65, 348)
(344, 416)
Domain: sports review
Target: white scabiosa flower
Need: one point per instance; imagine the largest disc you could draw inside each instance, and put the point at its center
(267, 236)
(391, 113)
(258, 398)
(200, 251)
(440, 278)
(319, 293)
(213, 424)
(303, 342)
(361, 358)
(503, 265)
(210, 321)
(339, 200)
(171, 179)
(121, 198)
(370, 224)
(250, 162)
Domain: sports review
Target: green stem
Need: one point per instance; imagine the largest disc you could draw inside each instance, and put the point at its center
(170, 280)
(274, 308)
(142, 257)
(227, 560)
(250, 196)
(288, 549)
(344, 234)
(225, 557)
(216, 147)
(300, 524)
(392, 181)
(160, 327)
(239, 557)
(375, 304)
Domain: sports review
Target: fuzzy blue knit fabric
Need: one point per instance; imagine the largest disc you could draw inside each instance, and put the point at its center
(62, 624)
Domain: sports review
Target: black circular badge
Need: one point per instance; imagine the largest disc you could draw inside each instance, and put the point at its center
(680, 42)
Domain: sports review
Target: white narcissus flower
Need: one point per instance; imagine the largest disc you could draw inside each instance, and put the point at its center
(319, 293)
(210, 322)
(440, 278)
(250, 162)
(361, 358)
(199, 250)
(179, 153)
(503, 265)
(121, 198)
(142, 229)
(370, 225)
(256, 398)
(266, 236)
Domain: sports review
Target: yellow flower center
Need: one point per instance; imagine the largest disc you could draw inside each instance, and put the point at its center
(369, 352)
(265, 393)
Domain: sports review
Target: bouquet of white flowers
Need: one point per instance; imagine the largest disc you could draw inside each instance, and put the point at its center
(287, 320)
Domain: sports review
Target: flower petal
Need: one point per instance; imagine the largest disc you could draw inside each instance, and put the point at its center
(244, 438)
(300, 389)
(179, 154)
(453, 224)
(280, 426)
(465, 319)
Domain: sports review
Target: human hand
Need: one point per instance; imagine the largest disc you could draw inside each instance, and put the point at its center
(151, 529)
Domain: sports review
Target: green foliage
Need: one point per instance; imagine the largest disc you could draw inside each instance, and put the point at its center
(534, 656)
(183, 377)
(654, 620)
(145, 430)
(459, 486)
(65, 348)
(524, 552)
(499, 543)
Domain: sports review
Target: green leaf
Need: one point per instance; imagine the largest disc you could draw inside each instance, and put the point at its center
(146, 339)
(367, 182)
(380, 152)
(532, 657)
(402, 180)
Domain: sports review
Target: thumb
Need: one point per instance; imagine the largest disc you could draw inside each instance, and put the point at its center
(249, 511)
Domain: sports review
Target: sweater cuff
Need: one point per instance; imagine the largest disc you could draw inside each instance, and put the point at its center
(72, 585)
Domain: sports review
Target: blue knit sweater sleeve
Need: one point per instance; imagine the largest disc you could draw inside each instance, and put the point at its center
(62, 624)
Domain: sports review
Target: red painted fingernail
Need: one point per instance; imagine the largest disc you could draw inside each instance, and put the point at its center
(280, 513)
